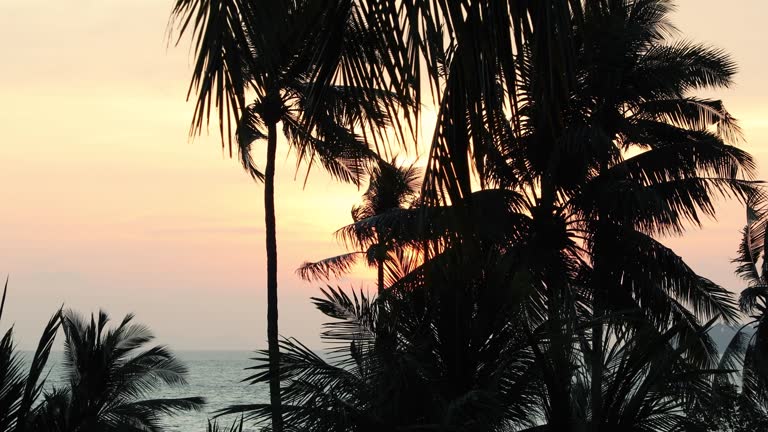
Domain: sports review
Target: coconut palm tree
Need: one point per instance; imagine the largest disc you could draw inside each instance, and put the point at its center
(391, 369)
(110, 377)
(309, 65)
(746, 389)
(593, 169)
(20, 390)
(736, 400)
(650, 379)
(391, 188)
(635, 91)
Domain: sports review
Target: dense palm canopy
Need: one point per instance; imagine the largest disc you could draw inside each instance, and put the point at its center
(390, 370)
(569, 140)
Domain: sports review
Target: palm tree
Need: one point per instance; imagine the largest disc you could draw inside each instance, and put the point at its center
(650, 379)
(389, 369)
(391, 188)
(583, 210)
(585, 207)
(310, 65)
(574, 205)
(635, 89)
(110, 378)
(19, 391)
(736, 400)
(747, 352)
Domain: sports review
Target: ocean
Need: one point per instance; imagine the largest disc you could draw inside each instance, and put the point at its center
(214, 375)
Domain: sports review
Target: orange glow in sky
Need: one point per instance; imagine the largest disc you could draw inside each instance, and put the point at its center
(106, 203)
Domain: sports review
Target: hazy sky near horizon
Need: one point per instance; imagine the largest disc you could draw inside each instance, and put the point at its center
(106, 203)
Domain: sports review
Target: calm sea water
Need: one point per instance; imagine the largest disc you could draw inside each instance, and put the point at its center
(215, 375)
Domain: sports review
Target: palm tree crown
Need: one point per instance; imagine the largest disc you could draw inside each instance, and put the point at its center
(111, 378)
(391, 188)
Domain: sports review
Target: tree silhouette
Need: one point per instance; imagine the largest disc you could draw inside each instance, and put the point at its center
(20, 391)
(575, 187)
(110, 378)
(389, 369)
(391, 188)
(568, 140)
(309, 65)
(636, 88)
(592, 170)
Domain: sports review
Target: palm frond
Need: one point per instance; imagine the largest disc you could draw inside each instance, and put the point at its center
(328, 268)
(220, 39)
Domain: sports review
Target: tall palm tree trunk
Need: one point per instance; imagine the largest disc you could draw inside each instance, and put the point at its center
(271, 226)
(601, 279)
(597, 361)
(561, 418)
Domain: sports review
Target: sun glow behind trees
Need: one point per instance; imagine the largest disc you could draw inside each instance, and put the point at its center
(106, 203)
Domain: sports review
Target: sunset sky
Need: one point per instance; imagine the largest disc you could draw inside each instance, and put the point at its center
(106, 202)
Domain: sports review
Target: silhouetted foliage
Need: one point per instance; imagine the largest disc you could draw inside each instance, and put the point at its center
(739, 401)
(110, 378)
(308, 65)
(391, 189)
(20, 389)
(528, 289)
(390, 370)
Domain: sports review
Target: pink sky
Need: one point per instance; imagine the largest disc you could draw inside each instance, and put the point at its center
(107, 204)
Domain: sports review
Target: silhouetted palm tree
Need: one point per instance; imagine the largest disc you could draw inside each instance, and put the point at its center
(747, 353)
(390, 369)
(391, 188)
(650, 379)
(592, 170)
(20, 390)
(567, 140)
(110, 380)
(736, 399)
(636, 90)
(588, 170)
(310, 65)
